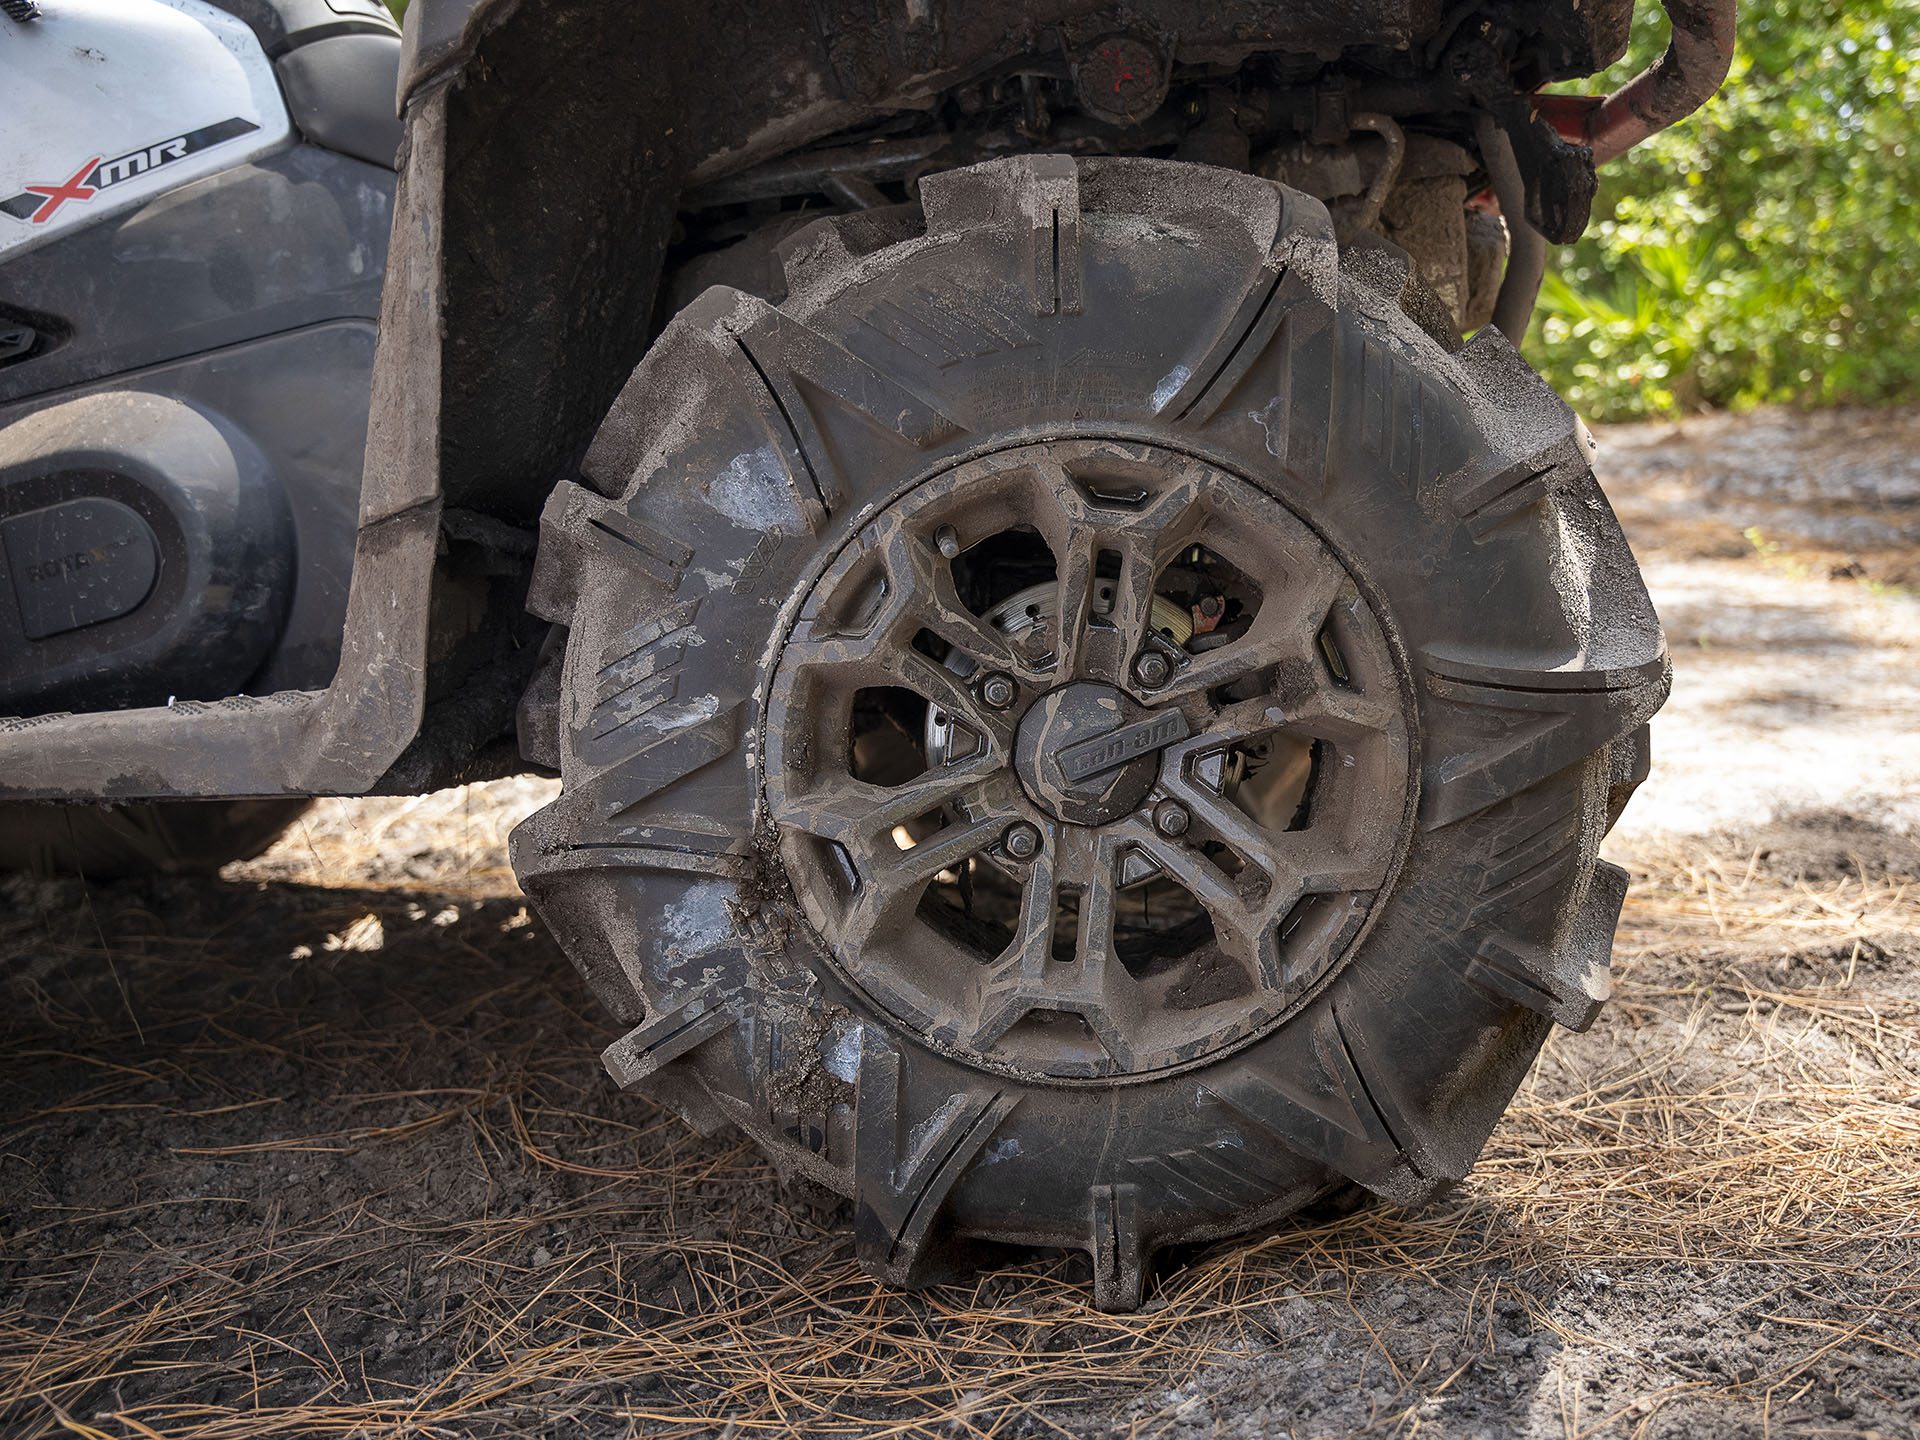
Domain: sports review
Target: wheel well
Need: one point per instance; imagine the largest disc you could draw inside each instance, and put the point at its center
(591, 148)
(602, 162)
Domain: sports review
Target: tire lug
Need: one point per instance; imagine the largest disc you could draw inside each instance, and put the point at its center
(1151, 669)
(947, 539)
(1021, 840)
(997, 691)
(1171, 818)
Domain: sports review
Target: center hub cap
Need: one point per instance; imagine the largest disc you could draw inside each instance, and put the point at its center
(1085, 759)
(1088, 753)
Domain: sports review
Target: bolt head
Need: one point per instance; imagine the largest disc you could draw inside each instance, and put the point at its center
(997, 691)
(1022, 840)
(1151, 669)
(1171, 819)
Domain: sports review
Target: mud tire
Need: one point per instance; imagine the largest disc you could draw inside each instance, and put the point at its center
(166, 837)
(1203, 312)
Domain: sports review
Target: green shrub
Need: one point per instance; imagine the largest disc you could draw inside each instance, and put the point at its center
(1767, 249)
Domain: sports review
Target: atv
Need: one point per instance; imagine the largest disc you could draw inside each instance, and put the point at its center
(1087, 676)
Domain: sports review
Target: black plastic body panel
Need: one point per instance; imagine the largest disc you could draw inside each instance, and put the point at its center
(294, 239)
(340, 92)
(148, 554)
(301, 398)
(249, 300)
(281, 25)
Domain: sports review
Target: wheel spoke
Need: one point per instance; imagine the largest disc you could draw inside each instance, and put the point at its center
(1243, 927)
(1235, 725)
(1025, 960)
(946, 850)
(1261, 648)
(861, 815)
(1307, 861)
(1146, 539)
(1305, 595)
(1333, 712)
(922, 576)
(857, 661)
(1092, 984)
(1315, 867)
(1082, 646)
(1147, 544)
(1220, 819)
(891, 890)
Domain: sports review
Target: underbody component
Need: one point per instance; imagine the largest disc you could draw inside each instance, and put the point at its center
(1086, 725)
(1698, 55)
(170, 837)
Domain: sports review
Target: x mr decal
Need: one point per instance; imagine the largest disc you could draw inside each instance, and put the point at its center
(38, 203)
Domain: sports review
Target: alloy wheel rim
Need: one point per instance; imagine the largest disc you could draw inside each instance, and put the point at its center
(1072, 879)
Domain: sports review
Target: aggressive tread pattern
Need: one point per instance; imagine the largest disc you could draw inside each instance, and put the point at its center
(1288, 291)
(683, 742)
(1397, 406)
(902, 1180)
(1222, 1177)
(1039, 197)
(1567, 983)
(1546, 450)
(636, 672)
(1323, 1106)
(1118, 1248)
(859, 379)
(942, 328)
(801, 369)
(646, 1048)
(1548, 720)
(579, 529)
(1530, 858)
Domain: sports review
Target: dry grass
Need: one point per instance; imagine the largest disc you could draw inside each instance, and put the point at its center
(386, 1191)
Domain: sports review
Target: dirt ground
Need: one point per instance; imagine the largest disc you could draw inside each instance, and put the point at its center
(322, 1147)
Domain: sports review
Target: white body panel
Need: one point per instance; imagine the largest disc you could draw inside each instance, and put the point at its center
(107, 103)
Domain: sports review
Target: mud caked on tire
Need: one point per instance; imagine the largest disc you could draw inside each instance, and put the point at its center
(1089, 724)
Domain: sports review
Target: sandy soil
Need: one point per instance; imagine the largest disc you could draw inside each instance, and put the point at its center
(322, 1147)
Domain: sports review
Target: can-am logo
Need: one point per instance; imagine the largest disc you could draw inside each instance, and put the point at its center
(1087, 758)
(38, 203)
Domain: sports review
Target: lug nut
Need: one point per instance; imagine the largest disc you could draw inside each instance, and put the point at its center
(948, 541)
(1022, 840)
(1151, 669)
(998, 691)
(1171, 819)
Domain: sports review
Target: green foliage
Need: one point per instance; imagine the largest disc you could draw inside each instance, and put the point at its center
(1768, 248)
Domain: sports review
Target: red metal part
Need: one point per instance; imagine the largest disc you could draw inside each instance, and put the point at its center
(1673, 87)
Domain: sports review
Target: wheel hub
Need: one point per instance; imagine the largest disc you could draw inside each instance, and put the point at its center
(1087, 753)
(1086, 759)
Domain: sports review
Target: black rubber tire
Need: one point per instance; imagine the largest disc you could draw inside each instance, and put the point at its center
(1052, 298)
(159, 837)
